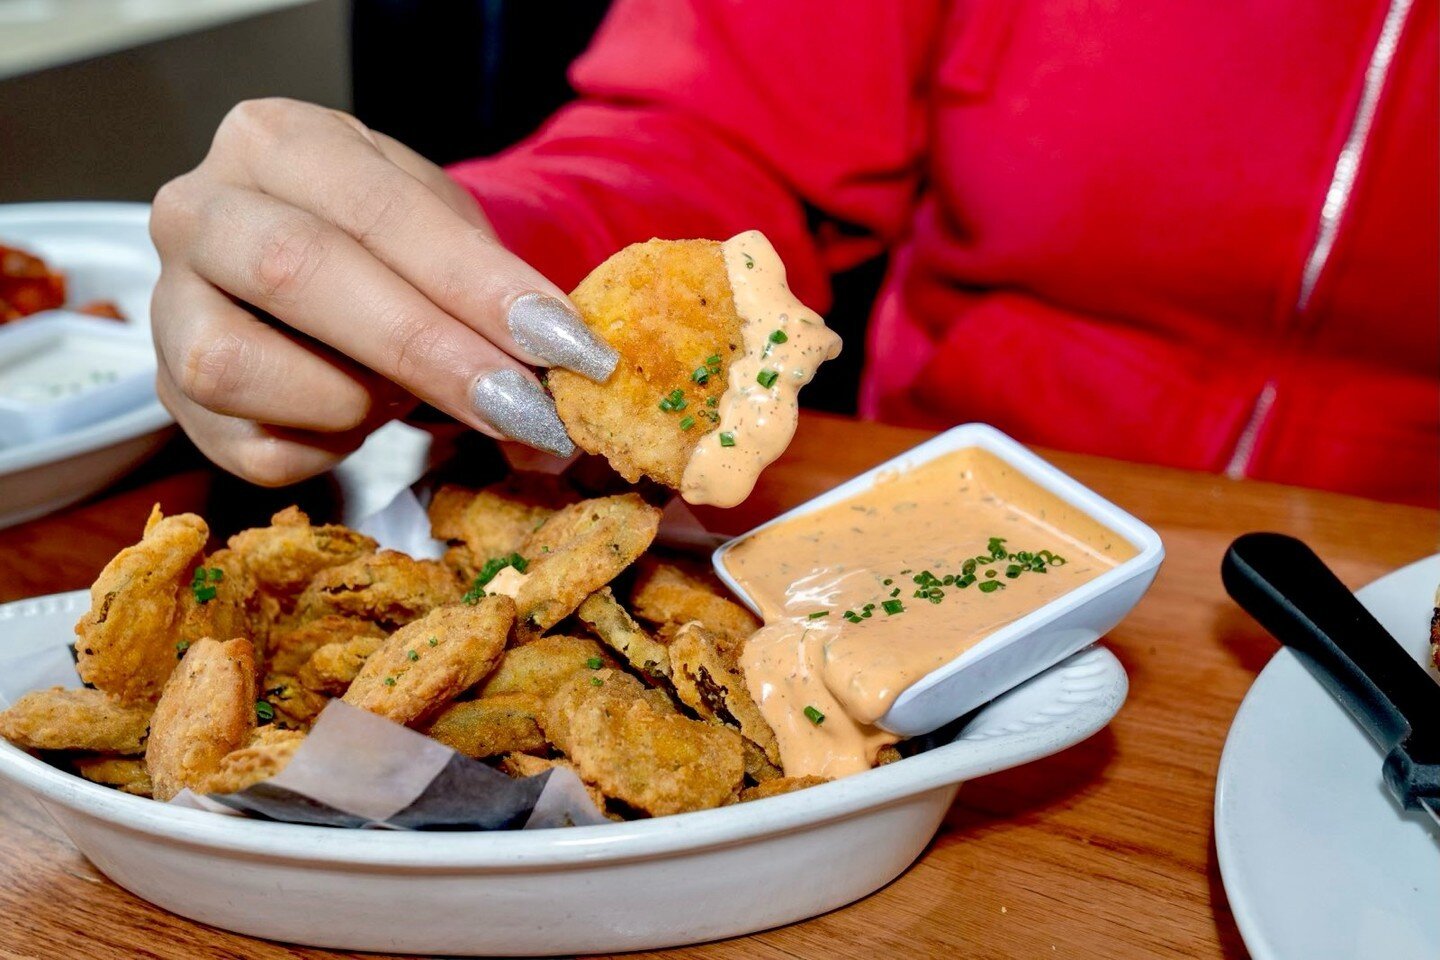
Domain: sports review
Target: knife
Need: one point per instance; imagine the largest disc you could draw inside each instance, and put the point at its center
(1284, 585)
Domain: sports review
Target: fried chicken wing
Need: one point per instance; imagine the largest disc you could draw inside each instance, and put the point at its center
(269, 751)
(579, 550)
(666, 306)
(206, 711)
(287, 555)
(657, 763)
(126, 642)
(79, 719)
(388, 587)
(424, 665)
(490, 726)
(666, 594)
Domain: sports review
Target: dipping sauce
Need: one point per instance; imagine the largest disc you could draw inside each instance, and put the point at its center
(863, 598)
(784, 343)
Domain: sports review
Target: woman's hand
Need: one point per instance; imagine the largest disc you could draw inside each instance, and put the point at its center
(318, 276)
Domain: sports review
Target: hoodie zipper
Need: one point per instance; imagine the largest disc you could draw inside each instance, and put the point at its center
(1332, 212)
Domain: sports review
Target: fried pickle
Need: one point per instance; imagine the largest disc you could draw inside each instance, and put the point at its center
(490, 726)
(126, 642)
(540, 667)
(296, 706)
(388, 587)
(579, 550)
(291, 646)
(782, 785)
(287, 555)
(206, 710)
(603, 614)
(526, 765)
(224, 601)
(708, 680)
(269, 751)
(654, 762)
(126, 774)
(332, 668)
(667, 594)
(496, 520)
(424, 665)
(79, 719)
(666, 306)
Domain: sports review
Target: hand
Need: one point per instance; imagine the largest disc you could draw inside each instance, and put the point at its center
(318, 277)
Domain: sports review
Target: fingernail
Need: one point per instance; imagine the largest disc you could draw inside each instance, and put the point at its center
(517, 407)
(546, 328)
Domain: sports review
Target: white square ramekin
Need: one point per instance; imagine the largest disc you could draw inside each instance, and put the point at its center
(1040, 639)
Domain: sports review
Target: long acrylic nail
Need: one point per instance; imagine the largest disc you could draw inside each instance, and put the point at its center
(546, 328)
(517, 407)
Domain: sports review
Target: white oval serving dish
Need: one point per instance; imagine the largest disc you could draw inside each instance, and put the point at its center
(1036, 641)
(625, 886)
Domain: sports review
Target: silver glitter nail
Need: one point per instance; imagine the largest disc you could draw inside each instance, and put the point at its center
(546, 328)
(518, 407)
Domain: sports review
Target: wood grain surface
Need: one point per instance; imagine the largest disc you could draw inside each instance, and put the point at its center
(1105, 850)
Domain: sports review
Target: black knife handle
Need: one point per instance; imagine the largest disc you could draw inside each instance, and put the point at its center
(1284, 585)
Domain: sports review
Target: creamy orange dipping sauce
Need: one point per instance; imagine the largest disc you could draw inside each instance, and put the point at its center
(845, 633)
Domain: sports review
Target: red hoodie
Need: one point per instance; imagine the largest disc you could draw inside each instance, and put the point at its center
(1194, 233)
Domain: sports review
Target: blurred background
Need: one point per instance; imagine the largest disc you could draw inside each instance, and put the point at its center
(108, 99)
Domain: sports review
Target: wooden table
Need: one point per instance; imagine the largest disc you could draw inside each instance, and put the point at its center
(1105, 850)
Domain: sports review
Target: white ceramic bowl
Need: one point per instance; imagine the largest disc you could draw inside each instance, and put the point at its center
(1036, 641)
(624, 886)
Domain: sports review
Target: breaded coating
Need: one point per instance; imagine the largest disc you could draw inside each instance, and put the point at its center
(654, 762)
(758, 767)
(286, 555)
(296, 706)
(603, 614)
(496, 520)
(388, 587)
(540, 667)
(665, 593)
(126, 642)
(666, 306)
(79, 719)
(206, 710)
(708, 680)
(333, 667)
(269, 751)
(223, 600)
(888, 754)
(425, 665)
(126, 774)
(525, 765)
(774, 788)
(579, 550)
(490, 726)
(291, 646)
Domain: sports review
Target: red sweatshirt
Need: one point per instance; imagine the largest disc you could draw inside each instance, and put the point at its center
(1194, 233)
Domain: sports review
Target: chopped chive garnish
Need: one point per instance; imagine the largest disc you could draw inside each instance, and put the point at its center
(596, 681)
(687, 423)
(778, 336)
(727, 439)
(749, 262)
(712, 402)
(893, 607)
(433, 640)
(594, 663)
(767, 377)
(203, 594)
(700, 376)
(412, 655)
(817, 615)
(264, 712)
(180, 648)
(389, 681)
(814, 716)
(990, 586)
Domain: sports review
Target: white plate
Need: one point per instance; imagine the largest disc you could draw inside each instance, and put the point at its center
(646, 884)
(1317, 858)
(105, 252)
